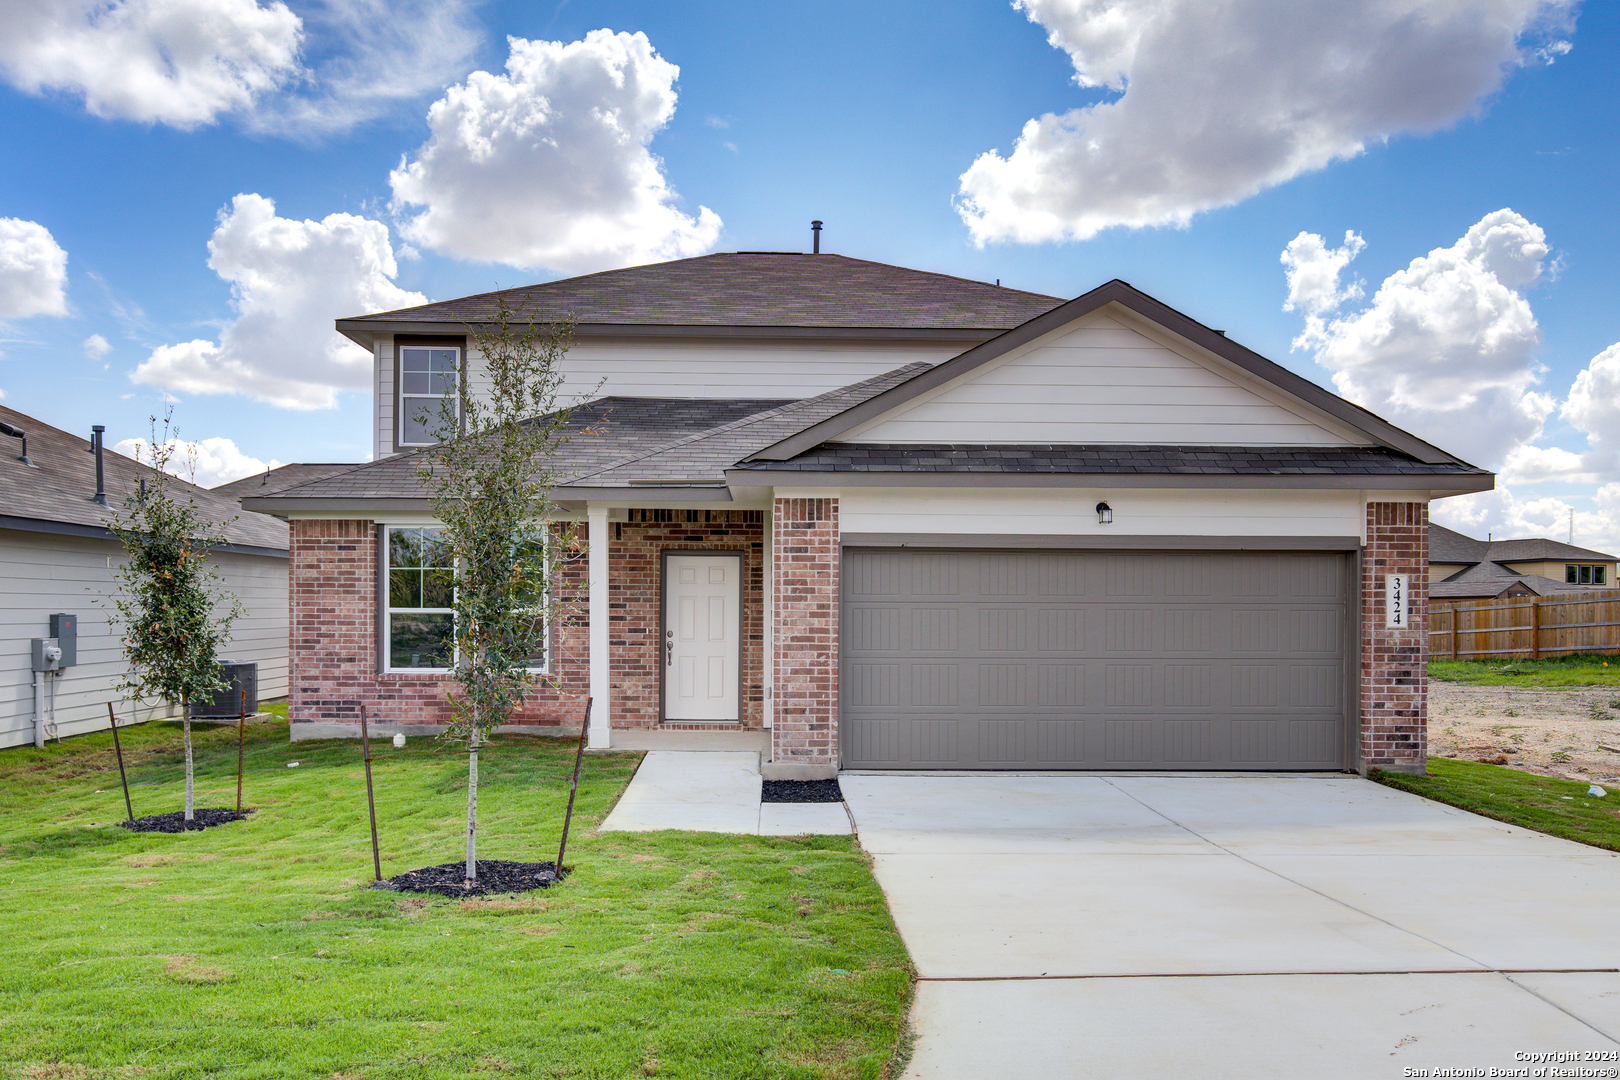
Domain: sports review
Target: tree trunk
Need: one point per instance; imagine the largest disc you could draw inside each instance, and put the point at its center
(185, 723)
(472, 806)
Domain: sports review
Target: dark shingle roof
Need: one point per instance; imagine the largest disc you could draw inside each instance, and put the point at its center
(1489, 579)
(284, 476)
(1112, 459)
(61, 490)
(756, 289)
(1448, 546)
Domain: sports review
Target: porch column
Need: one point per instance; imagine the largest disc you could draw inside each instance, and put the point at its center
(597, 537)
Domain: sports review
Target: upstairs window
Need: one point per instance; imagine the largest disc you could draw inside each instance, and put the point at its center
(1575, 574)
(427, 378)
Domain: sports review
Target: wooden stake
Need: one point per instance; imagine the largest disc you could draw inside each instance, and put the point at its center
(371, 801)
(579, 755)
(113, 720)
(241, 723)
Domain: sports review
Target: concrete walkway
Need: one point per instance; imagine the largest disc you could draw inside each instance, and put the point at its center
(1237, 926)
(714, 791)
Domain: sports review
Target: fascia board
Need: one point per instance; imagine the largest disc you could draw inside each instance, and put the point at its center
(95, 532)
(1378, 430)
(349, 508)
(753, 478)
(362, 331)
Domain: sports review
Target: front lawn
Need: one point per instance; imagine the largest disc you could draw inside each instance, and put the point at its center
(1544, 803)
(255, 949)
(1584, 669)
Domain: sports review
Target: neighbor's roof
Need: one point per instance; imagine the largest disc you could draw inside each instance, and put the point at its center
(1448, 546)
(764, 289)
(59, 495)
(1490, 579)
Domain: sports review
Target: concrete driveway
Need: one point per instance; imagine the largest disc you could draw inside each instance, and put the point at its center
(1237, 926)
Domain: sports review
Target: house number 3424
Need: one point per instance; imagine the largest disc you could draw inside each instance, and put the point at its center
(1396, 615)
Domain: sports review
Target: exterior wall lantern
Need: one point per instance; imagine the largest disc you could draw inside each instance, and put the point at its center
(1105, 514)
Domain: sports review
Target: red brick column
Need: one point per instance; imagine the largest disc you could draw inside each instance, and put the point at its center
(1395, 662)
(804, 612)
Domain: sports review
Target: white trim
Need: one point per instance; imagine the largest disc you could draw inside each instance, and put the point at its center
(399, 391)
(386, 623)
(601, 672)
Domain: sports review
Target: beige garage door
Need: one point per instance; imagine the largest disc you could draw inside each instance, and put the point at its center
(1093, 660)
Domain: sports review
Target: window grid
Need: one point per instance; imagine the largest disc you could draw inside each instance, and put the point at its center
(427, 376)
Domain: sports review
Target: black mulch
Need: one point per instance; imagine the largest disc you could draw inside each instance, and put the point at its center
(176, 822)
(801, 791)
(494, 876)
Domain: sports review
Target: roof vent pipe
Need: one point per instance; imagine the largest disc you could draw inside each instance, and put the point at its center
(96, 431)
(18, 433)
(815, 238)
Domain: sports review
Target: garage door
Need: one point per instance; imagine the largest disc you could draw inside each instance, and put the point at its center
(1093, 660)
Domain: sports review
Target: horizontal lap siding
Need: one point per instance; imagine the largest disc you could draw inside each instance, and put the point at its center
(41, 574)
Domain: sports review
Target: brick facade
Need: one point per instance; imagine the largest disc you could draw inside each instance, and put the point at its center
(1394, 663)
(635, 602)
(805, 633)
(333, 650)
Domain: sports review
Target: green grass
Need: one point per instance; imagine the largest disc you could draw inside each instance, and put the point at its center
(1584, 669)
(1543, 803)
(255, 949)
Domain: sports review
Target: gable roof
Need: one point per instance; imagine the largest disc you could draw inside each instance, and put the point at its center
(1115, 292)
(59, 495)
(283, 476)
(1488, 579)
(756, 291)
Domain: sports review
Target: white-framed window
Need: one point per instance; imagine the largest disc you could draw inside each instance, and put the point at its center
(1575, 574)
(427, 377)
(419, 623)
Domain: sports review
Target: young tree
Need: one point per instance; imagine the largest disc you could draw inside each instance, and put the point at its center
(489, 481)
(173, 607)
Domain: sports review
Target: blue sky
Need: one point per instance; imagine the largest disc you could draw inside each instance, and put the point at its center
(1209, 138)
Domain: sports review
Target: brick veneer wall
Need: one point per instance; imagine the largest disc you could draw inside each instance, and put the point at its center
(1395, 663)
(805, 632)
(332, 640)
(635, 591)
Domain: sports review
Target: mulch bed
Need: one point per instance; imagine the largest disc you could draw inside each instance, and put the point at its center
(494, 876)
(176, 822)
(801, 791)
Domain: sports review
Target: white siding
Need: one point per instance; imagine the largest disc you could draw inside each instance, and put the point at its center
(41, 574)
(1101, 381)
(1151, 512)
(790, 370)
(383, 410)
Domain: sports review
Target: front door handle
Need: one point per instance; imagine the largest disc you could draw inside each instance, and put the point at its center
(669, 649)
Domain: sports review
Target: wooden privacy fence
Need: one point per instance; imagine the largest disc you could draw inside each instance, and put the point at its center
(1526, 627)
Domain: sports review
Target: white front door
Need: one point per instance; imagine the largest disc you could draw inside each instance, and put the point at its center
(702, 636)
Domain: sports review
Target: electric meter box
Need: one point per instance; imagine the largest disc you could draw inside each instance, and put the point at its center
(65, 629)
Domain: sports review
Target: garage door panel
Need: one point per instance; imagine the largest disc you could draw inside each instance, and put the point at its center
(1001, 660)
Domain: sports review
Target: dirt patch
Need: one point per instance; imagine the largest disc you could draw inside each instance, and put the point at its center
(186, 969)
(176, 822)
(494, 876)
(1572, 733)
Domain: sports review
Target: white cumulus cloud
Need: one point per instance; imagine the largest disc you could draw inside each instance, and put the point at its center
(178, 62)
(1447, 347)
(33, 270)
(548, 165)
(1214, 102)
(289, 281)
(1504, 516)
(95, 346)
(1313, 270)
(205, 462)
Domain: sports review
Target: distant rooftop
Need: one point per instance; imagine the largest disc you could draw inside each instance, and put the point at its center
(1449, 546)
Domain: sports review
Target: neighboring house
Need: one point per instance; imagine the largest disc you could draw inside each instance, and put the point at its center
(57, 557)
(908, 521)
(1462, 568)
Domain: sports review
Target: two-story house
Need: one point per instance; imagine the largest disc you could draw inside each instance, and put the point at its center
(894, 519)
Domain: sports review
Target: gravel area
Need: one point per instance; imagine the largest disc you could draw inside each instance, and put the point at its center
(1573, 733)
(176, 822)
(494, 876)
(801, 791)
